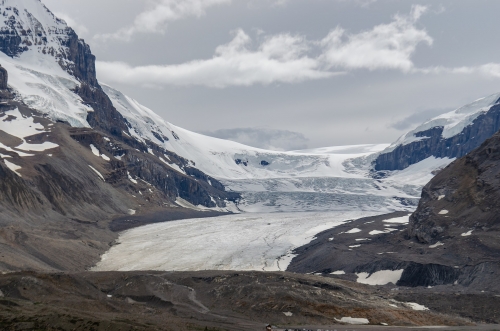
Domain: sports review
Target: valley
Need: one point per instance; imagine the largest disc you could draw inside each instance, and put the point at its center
(113, 218)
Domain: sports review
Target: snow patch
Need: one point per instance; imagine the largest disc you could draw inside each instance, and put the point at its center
(354, 321)
(131, 212)
(288, 314)
(436, 245)
(131, 179)
(338, 272)
(466, 234)
(443, 212)
(186, 204)
(416, 306)
(399, 220)
(19, 125)
(97, 172)
(387, 230)
(441, 197)
(13, 167)
(105, 157)
(381, 277)
(355, 230)
(37, 147)
(94, 150)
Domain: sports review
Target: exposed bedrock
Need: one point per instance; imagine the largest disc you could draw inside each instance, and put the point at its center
(4, 77)
(463, 200)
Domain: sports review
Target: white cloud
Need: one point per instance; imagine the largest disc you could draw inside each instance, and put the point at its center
(386, 46)
(280, 58)
(155, 18)
(285, 58)
(80, 29)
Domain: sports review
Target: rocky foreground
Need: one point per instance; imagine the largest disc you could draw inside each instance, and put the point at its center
(209, 300)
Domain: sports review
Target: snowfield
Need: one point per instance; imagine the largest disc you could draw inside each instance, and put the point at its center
(235, 242)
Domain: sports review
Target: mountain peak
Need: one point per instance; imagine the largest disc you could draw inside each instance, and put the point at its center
(29, 27)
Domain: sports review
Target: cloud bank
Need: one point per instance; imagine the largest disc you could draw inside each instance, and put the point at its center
(271, 139)
(282, 58)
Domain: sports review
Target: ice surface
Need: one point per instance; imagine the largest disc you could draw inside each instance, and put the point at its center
(41, 83)
(235, 242)
(321, 179)
(381, 277)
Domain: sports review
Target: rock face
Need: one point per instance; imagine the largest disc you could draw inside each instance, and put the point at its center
(432, 142)
(81, 60)
(4, 77)
(462, 200)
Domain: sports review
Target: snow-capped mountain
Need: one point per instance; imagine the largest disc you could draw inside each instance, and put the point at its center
(53, 72)
(450, 135)
(73, 151)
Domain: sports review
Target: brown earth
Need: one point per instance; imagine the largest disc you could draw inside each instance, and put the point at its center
(208, 300)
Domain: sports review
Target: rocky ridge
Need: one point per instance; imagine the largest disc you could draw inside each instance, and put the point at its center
(429, 142)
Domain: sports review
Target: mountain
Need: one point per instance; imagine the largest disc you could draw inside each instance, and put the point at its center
(69, 167)
(75, 150)
(450, 241)
(459, 207)
(450, 135)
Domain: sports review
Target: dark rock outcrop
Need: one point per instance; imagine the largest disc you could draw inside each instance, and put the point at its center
(483, 127)
(10, 40)
(4, 77)
(81, 60)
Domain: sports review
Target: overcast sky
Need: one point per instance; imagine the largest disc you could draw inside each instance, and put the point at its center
(290, 74)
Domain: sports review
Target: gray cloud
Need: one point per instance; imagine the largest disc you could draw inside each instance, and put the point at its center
(279, 140)
(154, 19)
(418, 118)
